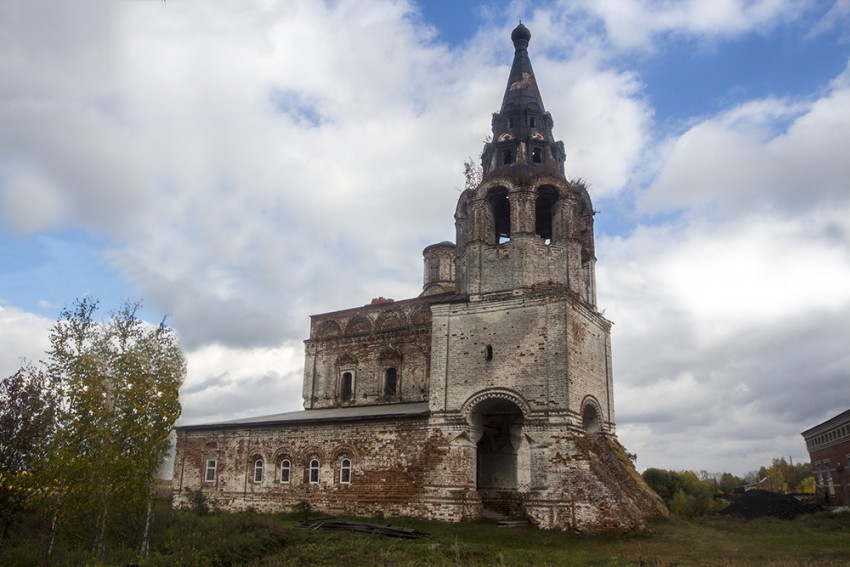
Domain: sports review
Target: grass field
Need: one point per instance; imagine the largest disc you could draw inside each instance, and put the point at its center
(185, 538)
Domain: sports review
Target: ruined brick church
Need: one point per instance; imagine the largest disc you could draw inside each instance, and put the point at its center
(490, 391)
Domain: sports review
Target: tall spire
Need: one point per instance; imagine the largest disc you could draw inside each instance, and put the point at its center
(522, 129)
(522, 86)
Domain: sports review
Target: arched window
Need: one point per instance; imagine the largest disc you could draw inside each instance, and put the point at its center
(507, 156)
(258, 469)
(501, 210)
(390, 382)
(345, 471)
(285, 471)
(545, 211)
(314, 471)
(537, 155)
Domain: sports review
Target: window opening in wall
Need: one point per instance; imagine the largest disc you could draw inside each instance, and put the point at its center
(510, 121)
(488, 353)
(347, 387)
(390, 382)
(507, 157)
(345, 471)
(500, 207)
(285, 471)
(545, 211)
(209, 471)
(532, 121)
(314, 471)
(828, 474)
(258, 470)
(537, 155)
(434, 268)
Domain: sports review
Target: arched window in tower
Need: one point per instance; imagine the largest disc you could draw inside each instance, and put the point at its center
(507, 156)
(500, 208)
(545, 210)
(434, 270)
(510, 121)
(537, 154)
(390, 382)
(532, 121)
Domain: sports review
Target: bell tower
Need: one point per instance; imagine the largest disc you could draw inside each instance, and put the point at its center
(525, 225)
(521, 390)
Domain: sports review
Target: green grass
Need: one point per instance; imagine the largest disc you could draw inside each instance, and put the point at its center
(249, 539)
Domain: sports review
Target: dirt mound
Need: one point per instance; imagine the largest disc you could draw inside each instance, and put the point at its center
(758, 503)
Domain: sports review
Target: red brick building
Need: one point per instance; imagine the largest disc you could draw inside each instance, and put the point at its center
(490, 391)
(828, 444)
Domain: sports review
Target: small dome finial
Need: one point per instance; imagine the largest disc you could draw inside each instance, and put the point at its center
(520, 36)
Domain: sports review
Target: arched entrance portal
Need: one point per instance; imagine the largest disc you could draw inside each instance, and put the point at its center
(497, 424)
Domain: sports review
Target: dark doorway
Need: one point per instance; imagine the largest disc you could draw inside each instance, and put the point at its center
(499, 423)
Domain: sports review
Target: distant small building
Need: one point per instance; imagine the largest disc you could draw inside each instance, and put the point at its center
(828, 444)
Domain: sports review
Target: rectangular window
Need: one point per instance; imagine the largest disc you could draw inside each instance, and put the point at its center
(828, 474)
(391, 382)
(209, 471)
(347, 386)
(434, 268)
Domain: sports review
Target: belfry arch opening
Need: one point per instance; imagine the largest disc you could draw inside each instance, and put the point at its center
(500, 209)
(497, 425)
(545, 211)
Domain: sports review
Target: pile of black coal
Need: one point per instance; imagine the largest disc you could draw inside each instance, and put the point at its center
(759, 503)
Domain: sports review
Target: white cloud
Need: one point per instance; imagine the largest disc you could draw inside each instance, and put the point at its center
(32, 202)
(747, 159)
(636, 24)
(24, 338)
(224, 383)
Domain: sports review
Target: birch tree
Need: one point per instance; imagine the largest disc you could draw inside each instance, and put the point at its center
(119, 381)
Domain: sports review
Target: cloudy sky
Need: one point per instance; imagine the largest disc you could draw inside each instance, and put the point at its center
(238, 166)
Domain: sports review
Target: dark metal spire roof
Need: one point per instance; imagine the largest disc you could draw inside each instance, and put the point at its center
(522, 86)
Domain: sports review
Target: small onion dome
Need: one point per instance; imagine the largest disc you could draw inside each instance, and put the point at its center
(520, 36)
